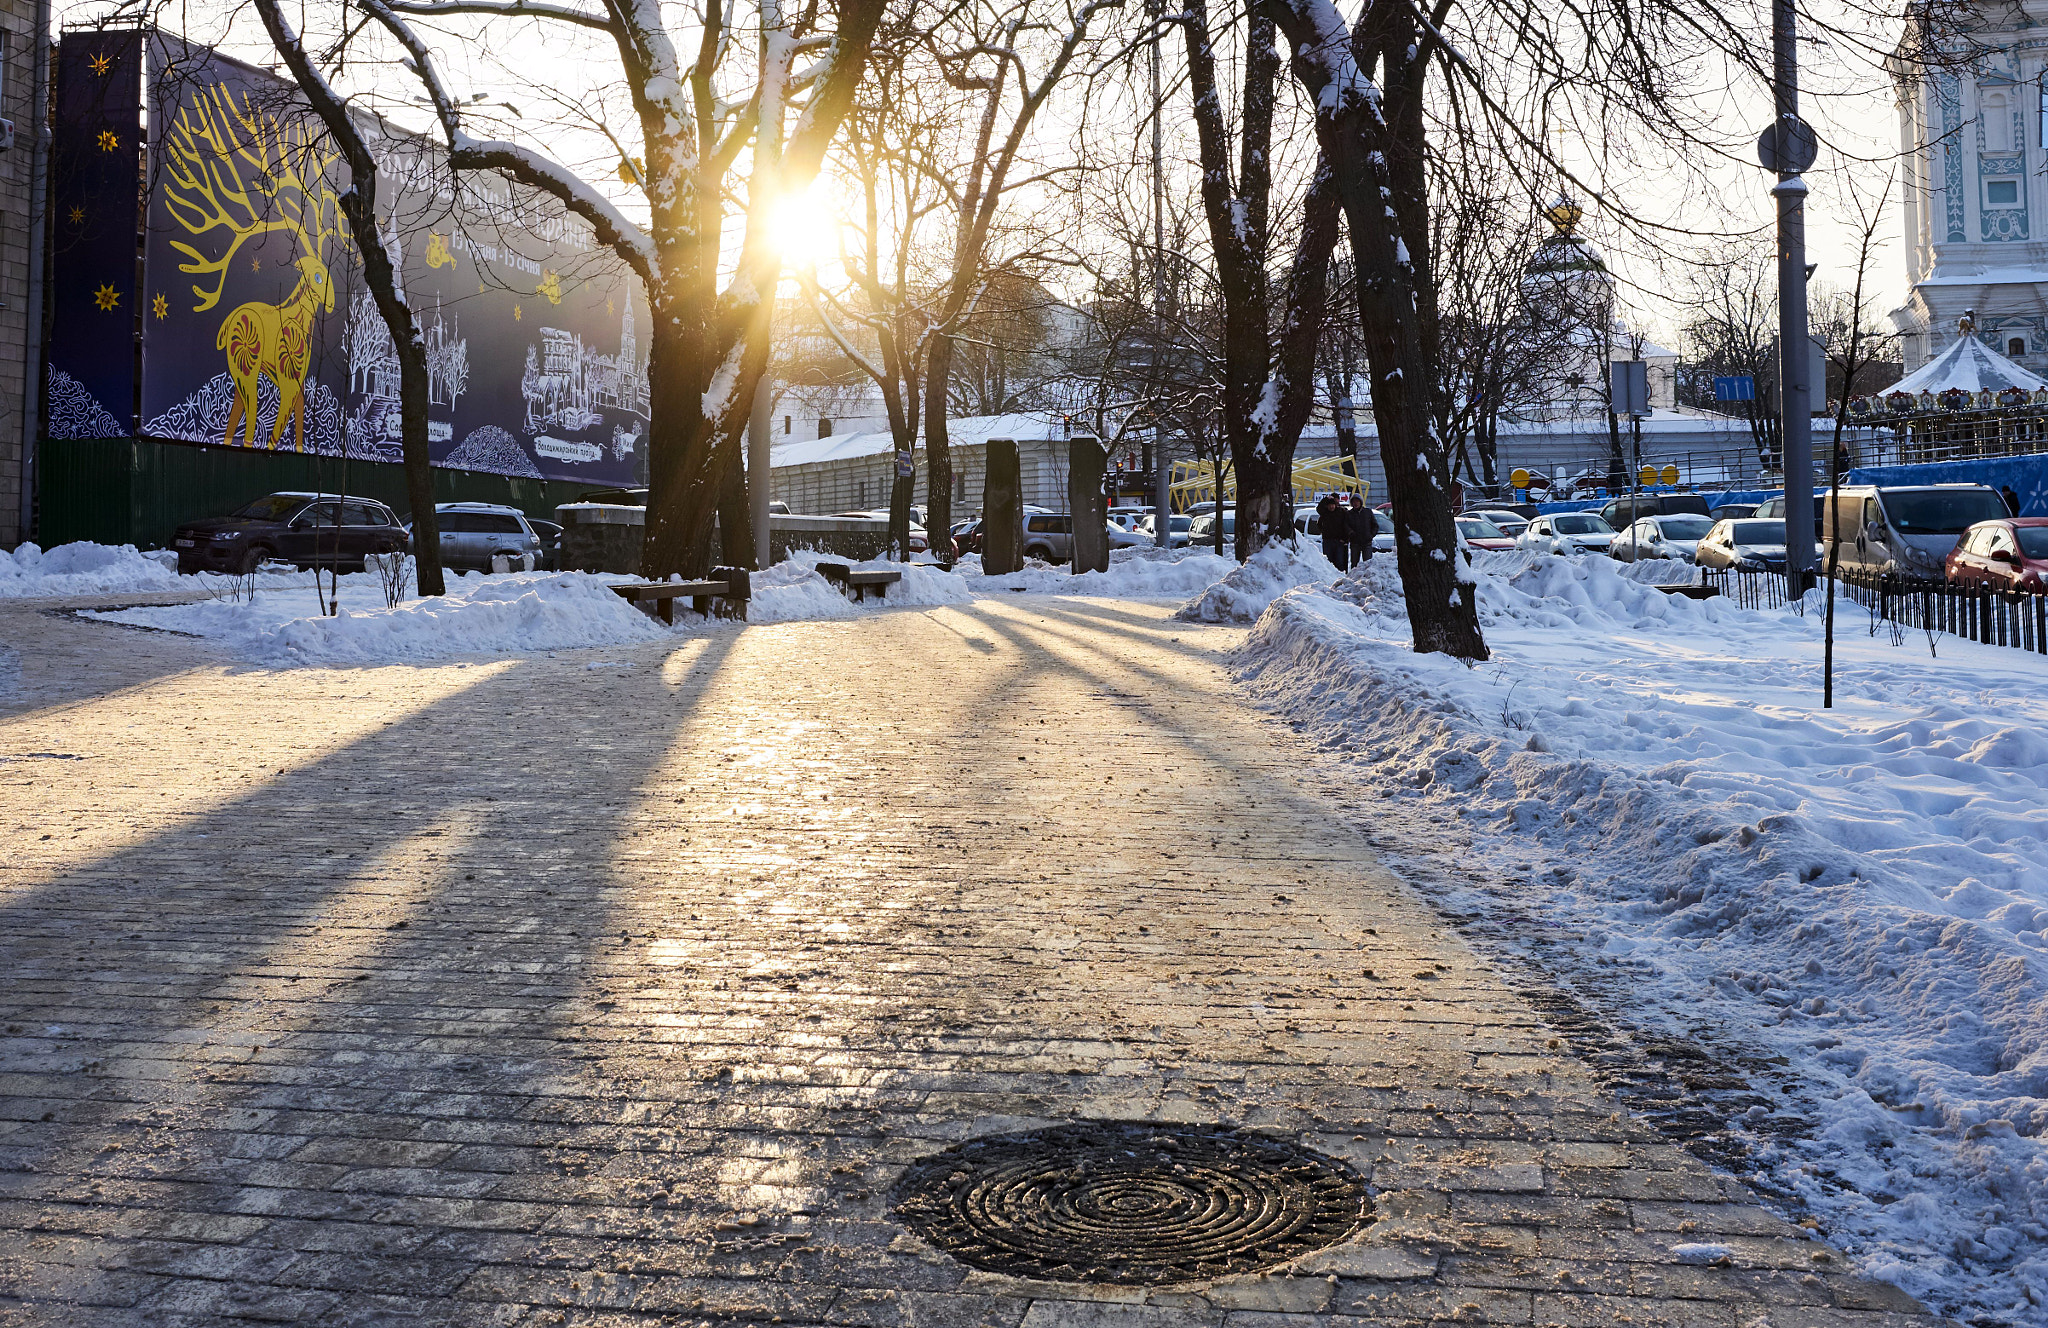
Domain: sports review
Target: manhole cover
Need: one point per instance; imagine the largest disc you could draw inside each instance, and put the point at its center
(1109, 1201)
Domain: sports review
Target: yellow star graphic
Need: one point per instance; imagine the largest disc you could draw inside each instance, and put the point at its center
(608, 309)
(77, 215)
(101, 64)
(106, 297)
(516, 316)
(255, 263)
(160, 306)
(109, 140)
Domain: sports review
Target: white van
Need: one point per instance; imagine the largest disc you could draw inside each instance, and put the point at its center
(1903, 529)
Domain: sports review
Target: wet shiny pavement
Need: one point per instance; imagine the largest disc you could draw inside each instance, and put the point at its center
(619, 987)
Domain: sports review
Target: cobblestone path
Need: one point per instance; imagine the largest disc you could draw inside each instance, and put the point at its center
(619, 987)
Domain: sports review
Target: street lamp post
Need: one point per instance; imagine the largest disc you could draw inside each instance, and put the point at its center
(1789, 148)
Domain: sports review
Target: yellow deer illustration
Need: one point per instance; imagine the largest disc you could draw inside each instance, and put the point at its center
(235, 168)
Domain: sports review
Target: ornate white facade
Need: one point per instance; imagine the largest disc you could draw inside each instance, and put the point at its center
(1976, 197)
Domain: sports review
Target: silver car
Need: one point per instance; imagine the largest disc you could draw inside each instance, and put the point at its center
(1676, 536)
(473, 534)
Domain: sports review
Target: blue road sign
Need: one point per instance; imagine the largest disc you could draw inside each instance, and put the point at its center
(1742, 388)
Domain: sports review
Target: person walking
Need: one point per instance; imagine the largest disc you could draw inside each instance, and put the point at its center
(2012, 500)
(1362, 524)
(1331, 524)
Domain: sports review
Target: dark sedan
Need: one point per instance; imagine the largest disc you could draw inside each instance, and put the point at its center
(304, 529)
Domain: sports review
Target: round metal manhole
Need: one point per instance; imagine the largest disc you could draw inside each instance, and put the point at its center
(1128, 1202)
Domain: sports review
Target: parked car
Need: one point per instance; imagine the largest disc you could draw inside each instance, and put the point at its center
(1048, 536)
(550, 535)
(1632, 507)
(920, 540)
(1775, 507)
(1567, 532)
(1511, 523)
(1480, 533)
(1904, 530)
(304, 529)
(1731, 511)
(1662, 537)
(2006, 554)
(1753, 544)
(1202, 533)
(966, 537)
(1127, 537)
(1177, 527)
(472, 534)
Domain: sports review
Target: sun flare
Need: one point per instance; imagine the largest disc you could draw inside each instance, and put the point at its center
(805, 230)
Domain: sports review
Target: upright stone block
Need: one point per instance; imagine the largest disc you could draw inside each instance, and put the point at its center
(1085, 499)
(1002, 509)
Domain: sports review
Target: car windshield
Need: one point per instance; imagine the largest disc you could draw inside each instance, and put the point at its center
(1580, 523)
(2033, 541)
(275, 507)
(1685, 527)
(1757, 532)
(1478, 528)
(1941, 511)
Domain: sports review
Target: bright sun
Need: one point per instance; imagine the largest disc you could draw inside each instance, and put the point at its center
(804, 229)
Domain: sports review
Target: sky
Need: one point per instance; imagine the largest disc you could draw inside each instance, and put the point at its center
(1849, 99)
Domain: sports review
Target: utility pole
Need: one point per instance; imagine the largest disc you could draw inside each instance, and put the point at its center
(1789, 149)
(1162, 512)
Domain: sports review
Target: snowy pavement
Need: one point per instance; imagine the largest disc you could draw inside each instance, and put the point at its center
(522, 992)
(1643, 793)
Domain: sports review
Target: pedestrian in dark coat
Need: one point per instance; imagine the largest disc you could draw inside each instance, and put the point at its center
(2012, 500)
(1363, 525)
(1330, 522)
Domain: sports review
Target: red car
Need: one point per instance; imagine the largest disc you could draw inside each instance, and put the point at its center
(2010, 554)
(1483, 534)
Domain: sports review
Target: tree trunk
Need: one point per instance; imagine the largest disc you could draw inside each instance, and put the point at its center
(1357, 139)
(682, 488)
(938, 450)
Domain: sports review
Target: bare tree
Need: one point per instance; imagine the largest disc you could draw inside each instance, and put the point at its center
(380, 273)
(1731, 333)
(709, 342)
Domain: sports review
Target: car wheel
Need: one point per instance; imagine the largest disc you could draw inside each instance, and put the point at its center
(253, 559)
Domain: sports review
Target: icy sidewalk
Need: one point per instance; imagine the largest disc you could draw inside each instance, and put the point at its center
(1862, 890)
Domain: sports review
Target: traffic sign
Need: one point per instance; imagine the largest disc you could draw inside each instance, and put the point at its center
(1739, 388)
(1648, 475)
(1669, 474)
(1628, 388)
(904, 466)
(1788, 147)
(1519, 479)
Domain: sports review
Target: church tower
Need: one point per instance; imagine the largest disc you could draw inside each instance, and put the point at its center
(1971, 132)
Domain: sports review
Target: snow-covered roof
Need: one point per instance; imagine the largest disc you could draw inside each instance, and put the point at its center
(1030, 426)
(1970, 365)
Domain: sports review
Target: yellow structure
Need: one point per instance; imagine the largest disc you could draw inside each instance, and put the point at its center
(1195, 481)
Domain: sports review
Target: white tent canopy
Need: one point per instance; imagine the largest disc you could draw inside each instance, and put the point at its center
(1971, 365)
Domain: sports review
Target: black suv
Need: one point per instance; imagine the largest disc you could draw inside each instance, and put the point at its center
(305, 529)
(1623, 512)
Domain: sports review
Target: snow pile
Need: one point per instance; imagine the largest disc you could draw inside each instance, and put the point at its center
(1169, 574)
(83, 569)
(1863, 890)
(793, 591)
(479, 615)
(1245, 591)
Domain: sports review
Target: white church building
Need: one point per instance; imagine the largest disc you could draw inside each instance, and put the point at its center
(1976, 198)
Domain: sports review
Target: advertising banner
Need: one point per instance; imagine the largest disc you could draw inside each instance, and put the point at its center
(93, 165)
(258, 331)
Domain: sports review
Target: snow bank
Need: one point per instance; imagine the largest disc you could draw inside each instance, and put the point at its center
(1169, 574)
(1247, 589)
(1861, 890)
(479, 615)
(83, 569)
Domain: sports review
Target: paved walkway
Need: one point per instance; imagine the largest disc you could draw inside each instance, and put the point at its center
(618, 987)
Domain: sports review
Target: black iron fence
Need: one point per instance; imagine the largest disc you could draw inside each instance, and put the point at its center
(1900, 604)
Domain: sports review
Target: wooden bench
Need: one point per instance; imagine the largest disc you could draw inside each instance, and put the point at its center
(859, 584)
(1691, 592)
(725, 593)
